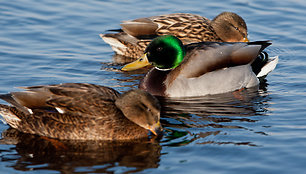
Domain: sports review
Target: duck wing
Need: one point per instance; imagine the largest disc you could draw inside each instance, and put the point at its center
(139, 27)
(134, 35)
(75, 98)
(210, 56)
(65, 111)
(188, 27)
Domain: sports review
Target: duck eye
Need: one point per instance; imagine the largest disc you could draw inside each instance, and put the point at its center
(145, 107)
(159, 49)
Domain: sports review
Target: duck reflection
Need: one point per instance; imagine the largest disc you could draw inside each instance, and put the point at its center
(42, 153)
(204, 119)
(128, 79)
(244, 102)
(119, 59)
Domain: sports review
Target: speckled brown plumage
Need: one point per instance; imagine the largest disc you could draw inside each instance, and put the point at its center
(136, 34)
(81, 111)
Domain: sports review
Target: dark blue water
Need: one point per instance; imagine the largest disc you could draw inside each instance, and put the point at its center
(47, 42)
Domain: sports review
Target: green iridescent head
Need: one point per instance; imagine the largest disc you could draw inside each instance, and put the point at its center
(165, 52)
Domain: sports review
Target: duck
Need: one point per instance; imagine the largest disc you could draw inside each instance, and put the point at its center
(135, 35)
(203, 68)
(82, 111)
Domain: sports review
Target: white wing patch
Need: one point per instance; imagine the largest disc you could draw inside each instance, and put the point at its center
(59, 110)
(30, 110)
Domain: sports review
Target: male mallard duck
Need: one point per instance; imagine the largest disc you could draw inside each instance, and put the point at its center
(136, 34)
(201, 68)
(82, 111)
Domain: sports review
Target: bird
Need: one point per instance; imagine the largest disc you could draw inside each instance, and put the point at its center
(82, 111)
(132, 39)
(202, 68)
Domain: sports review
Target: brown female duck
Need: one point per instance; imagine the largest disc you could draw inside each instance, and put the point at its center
(82, 111)
(135, 35)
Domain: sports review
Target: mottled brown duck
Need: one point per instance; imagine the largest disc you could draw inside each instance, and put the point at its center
(81, 111)
(135, 35)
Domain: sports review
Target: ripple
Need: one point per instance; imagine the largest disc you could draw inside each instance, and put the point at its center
(47, 42)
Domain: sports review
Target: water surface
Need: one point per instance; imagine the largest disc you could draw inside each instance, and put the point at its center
(47, 42)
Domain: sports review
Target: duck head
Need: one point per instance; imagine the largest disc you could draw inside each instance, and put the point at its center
(141, 108)
(230, 27)
(164, 53)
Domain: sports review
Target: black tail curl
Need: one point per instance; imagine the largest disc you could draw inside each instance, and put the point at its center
(260, 61)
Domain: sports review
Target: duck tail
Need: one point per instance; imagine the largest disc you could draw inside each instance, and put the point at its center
(10, 99)
(113, 39)
(264, 64)
(9, 117)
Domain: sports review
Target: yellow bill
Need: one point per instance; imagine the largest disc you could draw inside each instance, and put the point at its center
(139, 63)
(246, 39)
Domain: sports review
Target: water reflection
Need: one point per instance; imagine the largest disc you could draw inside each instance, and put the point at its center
(122, 60)
(203, 119)
(235, 103)
(41, 153)
(128, 79)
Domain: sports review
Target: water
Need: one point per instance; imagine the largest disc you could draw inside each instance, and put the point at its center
(47, 42)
